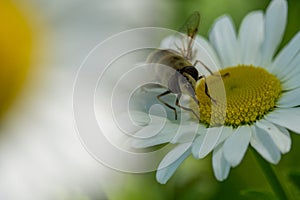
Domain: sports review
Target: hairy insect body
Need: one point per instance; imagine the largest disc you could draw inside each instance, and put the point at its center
(183, 76)
(174, 68)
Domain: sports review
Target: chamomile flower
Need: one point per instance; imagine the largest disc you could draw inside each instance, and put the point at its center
(262, 97)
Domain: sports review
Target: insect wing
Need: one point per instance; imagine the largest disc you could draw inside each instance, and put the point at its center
(183, 41)
(191, 25)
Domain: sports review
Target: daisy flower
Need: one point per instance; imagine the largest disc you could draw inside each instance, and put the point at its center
(262, 97)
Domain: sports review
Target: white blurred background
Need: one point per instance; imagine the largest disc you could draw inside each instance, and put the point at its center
(41, 156)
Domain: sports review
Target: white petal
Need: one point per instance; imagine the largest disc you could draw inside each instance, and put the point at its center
(264, 145)
(285, 138)
(289, 99)
(168, 42)
(205, 143)
(282, 64)
(143, 137)
(279, 135)
(220, 165)
(223, 38)
(206, 54)
(236, 145)
(251, 35)
(226, 132)
(188, 132)
(286, 117)
(275, 22)
(291, 80)
(145, 100)
(171, 162)
(132, 122)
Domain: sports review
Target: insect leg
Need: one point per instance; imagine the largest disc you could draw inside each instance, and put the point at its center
(166, 104)
(185, 108)
(206, 88)
(190, 52)
(179, 49)
(207, 68)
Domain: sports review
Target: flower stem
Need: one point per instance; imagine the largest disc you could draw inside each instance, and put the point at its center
(271, 176)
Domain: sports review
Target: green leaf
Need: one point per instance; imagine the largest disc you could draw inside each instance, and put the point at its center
(257, 195)
(295, 179)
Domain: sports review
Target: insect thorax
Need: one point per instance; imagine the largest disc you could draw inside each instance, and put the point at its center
(169, 58)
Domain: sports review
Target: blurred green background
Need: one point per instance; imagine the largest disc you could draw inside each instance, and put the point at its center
(194, 179)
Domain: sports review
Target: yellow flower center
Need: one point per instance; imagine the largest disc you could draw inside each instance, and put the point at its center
(16, 48)
(241, 95)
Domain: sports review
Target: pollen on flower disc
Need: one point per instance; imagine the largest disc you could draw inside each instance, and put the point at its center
(239, 95)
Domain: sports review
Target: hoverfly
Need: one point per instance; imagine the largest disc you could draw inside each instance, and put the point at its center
(185, 76)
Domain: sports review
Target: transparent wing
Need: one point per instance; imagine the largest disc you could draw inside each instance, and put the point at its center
(183, 41)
